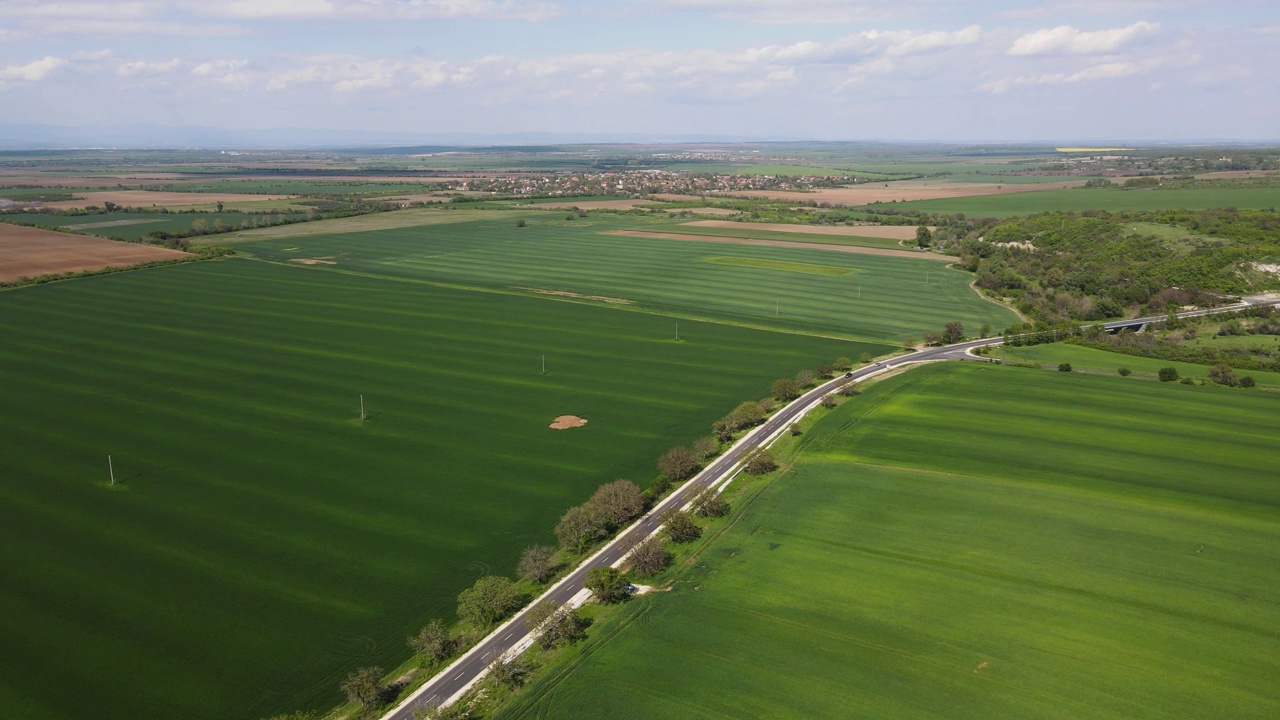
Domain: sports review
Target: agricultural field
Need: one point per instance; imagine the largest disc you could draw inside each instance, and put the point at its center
(879, 299)
(262, 541)
(27, 252)
(1078, 199)
(972, 541)
(1095, 360)
(135, 226)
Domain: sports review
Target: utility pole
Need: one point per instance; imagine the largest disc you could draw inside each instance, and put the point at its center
(677, 332)
(777, 307)
(363, 417)
(111, 469)
(544, 364)
(926, 277)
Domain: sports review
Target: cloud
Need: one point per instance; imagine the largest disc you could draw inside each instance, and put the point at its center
(1093, 73)
(789, 12)
(144, 68)
(381, 9)
(33, 71)
(1067, 40)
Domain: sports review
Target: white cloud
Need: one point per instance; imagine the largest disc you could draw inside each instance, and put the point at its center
(145, 68)
(1067, 40)
(381, 9)
(33, 71)
(789, 12)
(1094, 73)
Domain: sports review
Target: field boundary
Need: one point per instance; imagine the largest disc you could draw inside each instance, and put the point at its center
(855, 249)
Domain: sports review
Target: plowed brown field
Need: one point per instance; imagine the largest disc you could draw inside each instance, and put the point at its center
(147, 198)
(28, 252)
(904, 191)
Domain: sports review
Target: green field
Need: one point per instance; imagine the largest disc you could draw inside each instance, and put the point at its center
(263, 541)
(800, 237)
(134, 226)
(1086, 358)
(670, 276)
(973, 541)
(1078, 199)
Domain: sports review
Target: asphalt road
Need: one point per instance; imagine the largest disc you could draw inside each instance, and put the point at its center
(471, 666)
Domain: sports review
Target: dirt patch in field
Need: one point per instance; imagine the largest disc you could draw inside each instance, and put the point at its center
(28, 252)
(147, 198)
(904, 191)
(566, 293)
(313, 261)
(115, 223)
(786, 243)
(673, 197)
(564, 422)
(705, 211)
(891, 232)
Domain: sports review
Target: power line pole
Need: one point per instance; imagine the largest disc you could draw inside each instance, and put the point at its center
(111, 469)
(363, 417)
(544, 364)
(777, 307)
(677, 332)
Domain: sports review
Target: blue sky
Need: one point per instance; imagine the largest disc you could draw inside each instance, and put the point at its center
(821, 69)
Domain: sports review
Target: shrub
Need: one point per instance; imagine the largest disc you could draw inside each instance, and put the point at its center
(432, 643)
(678, 464)
(679, 527)
(761, 461)
(1124, 372)
(710, 504)
(1246, 381)
(1064, 367)
(785, 389)
(828, 401)
(535, 563)
(806, 378)
(489, 600)
(649, 558)
(705, 447)
(607, 584)
(843, 364)
(1168, 374)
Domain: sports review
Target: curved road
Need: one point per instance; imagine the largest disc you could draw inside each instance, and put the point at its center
(458, 677)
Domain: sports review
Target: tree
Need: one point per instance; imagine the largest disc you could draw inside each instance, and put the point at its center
(985, 330)
(649, 558)
(489, 600)
(521, 223)
(843, 364)
(952, 332)
(580, 526)
(1064, 367)
(536, 563)
(761, 461)
(1247, 381)
(1168, 374)
(708, 503)
(851, 390)
(456, 711)
(828, 401)
(679, 526)
(219, 206)
(705, 447)
(678, 464)
(296, 715)
(562, 627)
(747, 414)
(864, 358)
(924, 238)
(805, 378)
(823, 370)
(785, 389)
(607, 584)
(432, 643)
(363, 686)
(510, 673)
(618, 501)
(1222, 374)
(1124, 372)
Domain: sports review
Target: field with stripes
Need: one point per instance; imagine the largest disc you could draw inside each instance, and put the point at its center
(262, 541)
(973, 542)
(867, 297)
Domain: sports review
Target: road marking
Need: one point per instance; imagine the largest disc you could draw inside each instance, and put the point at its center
(504, 637)
(460, 675)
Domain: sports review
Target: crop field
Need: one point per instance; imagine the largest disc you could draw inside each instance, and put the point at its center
(798, 233)
(887, 299)
(263, 541)
(1077, 199)
(134, 226)
(974, 542)
(29, 252)
(148, 198)
(1085, 358)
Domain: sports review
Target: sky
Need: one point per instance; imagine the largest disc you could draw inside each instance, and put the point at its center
(911, 70)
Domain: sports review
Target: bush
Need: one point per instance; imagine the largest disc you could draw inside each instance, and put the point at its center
(679, 527)
(432, 643)
(363, 686)
(785, 389)
(1222, 374)
(510, 673)
(1124, 372)
(843, 364)
(607, 584)
(678, 464)
(828, 401)
(710, 504)
(761, 461)
(489, 600)
(851, 390)
(705, 447)
(824, 371)
(535, 563)
(649, 558)
(1168, 374)
(1246, 381)
(806, 378)
(1064, 367)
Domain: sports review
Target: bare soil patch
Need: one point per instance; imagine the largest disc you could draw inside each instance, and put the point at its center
(28, 252)
(919, 255)
(116, 223)
(904, 191)
(564, 422)
(146, 198)
(313, 261)
(566, 293)
(891, 232)
(675, 197)
(620, 204)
